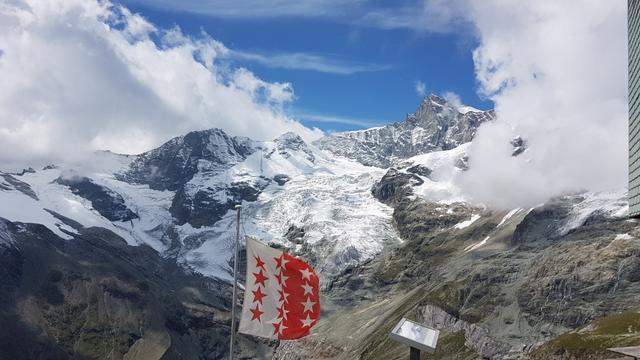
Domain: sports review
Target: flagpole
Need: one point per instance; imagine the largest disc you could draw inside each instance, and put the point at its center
(235, 281)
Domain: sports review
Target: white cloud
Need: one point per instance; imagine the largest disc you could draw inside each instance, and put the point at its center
(303, 61)
(420, 88)
(453, 99)
(435, 16)
(417, 15)
(557, 72)
(340, 120)
(257, 8)
(81, 75)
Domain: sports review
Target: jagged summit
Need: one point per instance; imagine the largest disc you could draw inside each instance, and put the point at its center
(437, 124)
(176, 161)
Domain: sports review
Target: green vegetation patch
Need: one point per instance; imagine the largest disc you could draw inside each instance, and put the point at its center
(592, 341)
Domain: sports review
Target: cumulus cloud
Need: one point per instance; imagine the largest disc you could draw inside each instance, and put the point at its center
(83, 75)
(420, 88)
(557, 72)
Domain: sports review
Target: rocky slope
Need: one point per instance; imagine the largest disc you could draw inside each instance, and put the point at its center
(178, 200)
(95, 297)
(498, 284)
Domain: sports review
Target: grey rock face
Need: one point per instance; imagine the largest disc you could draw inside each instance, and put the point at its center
(12, 183)
(463, 163)
(208, 205)
(570, 287)
(435, 125)
(476, 337)
(519, 146)
(294, 234)
(393, 187)
(543, 223)
(104, 200)
(281, 179)
(210, 152)
(173, 164)
(419, 170)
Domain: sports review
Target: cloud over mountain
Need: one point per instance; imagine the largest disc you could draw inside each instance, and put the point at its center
(557, 72)
(85, 75)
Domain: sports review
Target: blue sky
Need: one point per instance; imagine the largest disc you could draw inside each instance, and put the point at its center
(354, 75)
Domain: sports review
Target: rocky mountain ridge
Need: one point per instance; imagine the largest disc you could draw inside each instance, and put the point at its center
(436, 125)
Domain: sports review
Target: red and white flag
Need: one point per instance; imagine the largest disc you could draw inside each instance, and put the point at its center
(282, 296)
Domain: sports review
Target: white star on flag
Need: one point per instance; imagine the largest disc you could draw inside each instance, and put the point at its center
(308, 305)
(307, 321)
(282, 262)
(306, 274)
(308, 289)
(284, 297)
(283, 279)
(284, 313)
(281, 328)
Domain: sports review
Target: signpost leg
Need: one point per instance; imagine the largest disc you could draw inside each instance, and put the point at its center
(414, 354)
(235, 279)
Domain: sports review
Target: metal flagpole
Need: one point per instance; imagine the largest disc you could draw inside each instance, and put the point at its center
(235, 282)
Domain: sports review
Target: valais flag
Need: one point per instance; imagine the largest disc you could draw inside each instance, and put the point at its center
(281, 298)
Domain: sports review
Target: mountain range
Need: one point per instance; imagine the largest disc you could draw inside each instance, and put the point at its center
(129, 256)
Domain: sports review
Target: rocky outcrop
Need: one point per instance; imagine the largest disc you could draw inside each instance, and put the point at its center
(435, 125)
(104, 200)
(462, 163)
(281, 179)
(419, 170)
(476, 337)
(295, 234)
(580, 280)
(543, 223)
(519, 146)
(11, 183)
(207, 206)
(395, 186)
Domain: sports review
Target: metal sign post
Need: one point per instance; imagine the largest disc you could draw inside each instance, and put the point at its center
(235, 282)
(414, 354)
(416, 336)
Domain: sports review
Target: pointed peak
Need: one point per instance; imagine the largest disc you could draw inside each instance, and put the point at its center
(433, 98)
(293, 141)
(289, 138)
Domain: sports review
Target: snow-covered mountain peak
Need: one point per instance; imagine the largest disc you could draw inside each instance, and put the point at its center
(174, 163)
(439, 104)
(290, 141)
(436, 125)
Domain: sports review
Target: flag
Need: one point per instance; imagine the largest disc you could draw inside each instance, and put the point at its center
(282, 296)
